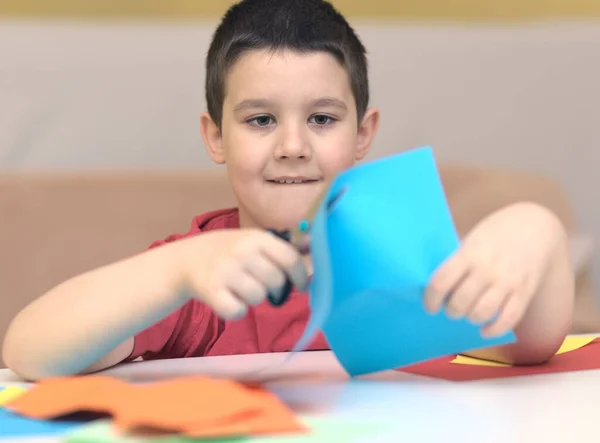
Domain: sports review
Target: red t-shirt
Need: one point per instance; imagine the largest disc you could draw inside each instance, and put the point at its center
(194, 330)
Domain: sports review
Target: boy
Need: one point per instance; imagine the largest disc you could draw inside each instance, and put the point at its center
(287, 93)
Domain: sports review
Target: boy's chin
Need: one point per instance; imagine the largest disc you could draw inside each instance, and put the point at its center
(290, 211)
(286, 221)
(282, 219)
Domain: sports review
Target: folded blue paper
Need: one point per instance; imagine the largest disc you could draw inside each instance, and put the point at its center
(374, 253)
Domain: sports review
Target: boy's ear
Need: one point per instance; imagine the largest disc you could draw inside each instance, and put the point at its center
(366, 132)
(212, 138)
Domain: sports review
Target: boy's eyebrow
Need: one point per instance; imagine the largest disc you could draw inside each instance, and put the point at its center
(255, 103)
(252, 103)
(329, 102)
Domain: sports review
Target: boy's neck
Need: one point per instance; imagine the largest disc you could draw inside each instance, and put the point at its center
(245, 221)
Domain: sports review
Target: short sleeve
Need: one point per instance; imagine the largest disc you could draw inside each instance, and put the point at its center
(183, 333)
(191, 330)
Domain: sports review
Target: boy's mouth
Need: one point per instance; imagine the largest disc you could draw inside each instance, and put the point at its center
(293, 180)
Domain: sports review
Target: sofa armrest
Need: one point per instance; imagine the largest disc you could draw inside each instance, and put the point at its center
(586, 317)
(581, 249)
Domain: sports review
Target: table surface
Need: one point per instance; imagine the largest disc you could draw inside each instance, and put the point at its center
(549, 408)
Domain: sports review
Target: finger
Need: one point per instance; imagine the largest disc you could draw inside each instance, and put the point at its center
(468, 292)
(226, 304)
(445, 279)
(488, 305)
(287, 258)
(304, 245)
(510, 315)
(247, 288)
(266, 271)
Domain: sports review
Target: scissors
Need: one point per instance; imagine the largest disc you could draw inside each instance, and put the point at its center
(297, 236)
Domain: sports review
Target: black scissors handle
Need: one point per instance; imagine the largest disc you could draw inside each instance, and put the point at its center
(288, 235)
(286, 289)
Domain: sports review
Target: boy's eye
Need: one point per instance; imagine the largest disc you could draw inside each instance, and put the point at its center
(261, 120)
(321, 120)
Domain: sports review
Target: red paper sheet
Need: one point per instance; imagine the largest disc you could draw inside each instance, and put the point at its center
(582, 359)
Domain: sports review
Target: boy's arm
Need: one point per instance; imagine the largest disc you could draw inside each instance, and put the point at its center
(546, 321)
(88, 322)
(512, 271)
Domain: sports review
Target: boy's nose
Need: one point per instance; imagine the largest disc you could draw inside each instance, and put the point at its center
(293, 145)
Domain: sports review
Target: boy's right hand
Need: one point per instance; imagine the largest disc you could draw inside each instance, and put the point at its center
(231, 269)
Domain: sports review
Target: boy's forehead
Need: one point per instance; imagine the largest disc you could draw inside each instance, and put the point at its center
(263, 73)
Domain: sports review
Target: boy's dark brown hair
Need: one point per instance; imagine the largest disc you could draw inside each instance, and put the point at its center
(300, 25)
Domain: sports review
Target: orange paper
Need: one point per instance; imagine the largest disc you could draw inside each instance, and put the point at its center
(194, 406)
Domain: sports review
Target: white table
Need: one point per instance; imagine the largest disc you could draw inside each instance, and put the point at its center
(546, 408)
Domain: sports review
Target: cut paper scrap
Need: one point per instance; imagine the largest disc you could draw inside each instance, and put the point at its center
(321, 285)
(193, 406)
(321, 430)
(586, 357)
(569, 344)
(374, 253)
(9, 393)
(13, 425)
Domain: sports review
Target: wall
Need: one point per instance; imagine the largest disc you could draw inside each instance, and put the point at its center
(127, 94)
(453, 9)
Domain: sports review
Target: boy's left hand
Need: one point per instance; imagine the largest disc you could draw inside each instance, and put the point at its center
(496, 272)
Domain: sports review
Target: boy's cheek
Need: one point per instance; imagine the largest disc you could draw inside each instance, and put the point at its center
(245, 157)
(336, 161)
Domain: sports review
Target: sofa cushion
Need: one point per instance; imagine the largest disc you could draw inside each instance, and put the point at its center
(54, 226)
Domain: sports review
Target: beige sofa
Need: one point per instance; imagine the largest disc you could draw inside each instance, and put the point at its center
(56, 226)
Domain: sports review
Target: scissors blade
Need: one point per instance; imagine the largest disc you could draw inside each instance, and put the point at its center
(298, 236)
(335, 198)
(299, 233)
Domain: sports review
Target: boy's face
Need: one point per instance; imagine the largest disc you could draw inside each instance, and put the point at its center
(289, 126)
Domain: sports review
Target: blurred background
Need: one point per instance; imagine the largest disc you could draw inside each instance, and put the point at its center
(88, 86)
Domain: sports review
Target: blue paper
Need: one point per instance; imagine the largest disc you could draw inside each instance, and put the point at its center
(374, 254)
(13, 425)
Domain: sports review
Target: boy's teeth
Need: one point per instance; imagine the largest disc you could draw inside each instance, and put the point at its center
(290, 181)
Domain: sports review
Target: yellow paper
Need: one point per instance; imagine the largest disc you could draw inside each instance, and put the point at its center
(574, 343)
(10, 393)
(464, 360)
(570, 344)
